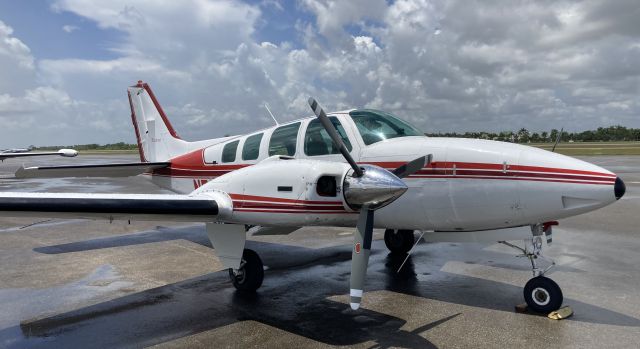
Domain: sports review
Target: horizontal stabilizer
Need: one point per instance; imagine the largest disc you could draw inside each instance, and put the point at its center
(104, 170)
(147, 207)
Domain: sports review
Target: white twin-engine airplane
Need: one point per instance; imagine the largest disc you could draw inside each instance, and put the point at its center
(21, 152)
(357, 168)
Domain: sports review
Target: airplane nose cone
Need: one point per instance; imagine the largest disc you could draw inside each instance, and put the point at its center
(619, 188)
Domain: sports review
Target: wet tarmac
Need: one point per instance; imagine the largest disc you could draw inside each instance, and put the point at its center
(79, 283)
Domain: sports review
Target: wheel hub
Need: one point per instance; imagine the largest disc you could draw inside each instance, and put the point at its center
(240, 275)
(540, 296)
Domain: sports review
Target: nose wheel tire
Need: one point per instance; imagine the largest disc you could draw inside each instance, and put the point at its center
(543, 295)
(249, 276)
(399, 241)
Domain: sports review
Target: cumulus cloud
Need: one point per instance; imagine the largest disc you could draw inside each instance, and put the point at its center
(443, 65)
(17, 63)
(69, 28)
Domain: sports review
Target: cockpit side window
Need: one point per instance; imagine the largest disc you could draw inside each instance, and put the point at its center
(229, 151)
(318, 142)
(283, 140)
(375, 126)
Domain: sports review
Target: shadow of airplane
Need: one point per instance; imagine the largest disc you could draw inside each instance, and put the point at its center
(293, 297)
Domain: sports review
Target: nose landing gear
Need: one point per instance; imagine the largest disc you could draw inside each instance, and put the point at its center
(399, 241)
(542, 294)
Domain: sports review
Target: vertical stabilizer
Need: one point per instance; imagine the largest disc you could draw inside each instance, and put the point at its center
(157, 139)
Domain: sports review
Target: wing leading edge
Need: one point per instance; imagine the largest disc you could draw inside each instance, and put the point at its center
(103, 170)
(148, 207)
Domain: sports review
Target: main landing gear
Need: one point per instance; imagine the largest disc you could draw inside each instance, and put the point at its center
(542, 294)
(248, 278)
(399, 241)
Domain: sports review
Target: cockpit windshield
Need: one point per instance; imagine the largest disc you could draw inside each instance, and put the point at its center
(375, 126)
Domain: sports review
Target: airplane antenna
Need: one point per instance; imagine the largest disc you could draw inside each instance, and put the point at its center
(557, 140)
(266, 106)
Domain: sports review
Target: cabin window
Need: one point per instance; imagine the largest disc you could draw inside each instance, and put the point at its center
(375, 126)
(229, 151)
(251, 147)
(283, 140)
(318, 142)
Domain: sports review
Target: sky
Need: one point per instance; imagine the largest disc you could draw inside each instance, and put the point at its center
(442, 65)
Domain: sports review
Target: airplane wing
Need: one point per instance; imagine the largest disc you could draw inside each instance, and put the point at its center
(103, 170)
(148, 207)
(62, 152)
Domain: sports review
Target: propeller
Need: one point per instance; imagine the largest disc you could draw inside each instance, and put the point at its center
(328, 126)
(367, 189)
(412, 166)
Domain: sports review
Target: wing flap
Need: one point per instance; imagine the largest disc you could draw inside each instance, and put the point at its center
(149, 207)
(102, 170)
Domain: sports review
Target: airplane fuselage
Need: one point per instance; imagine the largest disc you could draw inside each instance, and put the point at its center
(470, 184)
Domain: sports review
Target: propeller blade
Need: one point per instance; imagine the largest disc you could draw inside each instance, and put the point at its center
(331, 130)
(360, 255)
(413, 166)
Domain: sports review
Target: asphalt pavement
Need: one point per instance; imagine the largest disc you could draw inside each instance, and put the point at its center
(82, 283)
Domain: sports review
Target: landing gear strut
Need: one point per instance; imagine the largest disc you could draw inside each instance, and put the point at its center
(542, 294)
(249, 276)
(399, 241)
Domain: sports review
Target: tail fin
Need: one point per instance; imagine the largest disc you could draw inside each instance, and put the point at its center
(157, 140)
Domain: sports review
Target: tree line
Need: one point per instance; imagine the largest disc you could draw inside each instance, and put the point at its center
(92, 146)
(602, 134)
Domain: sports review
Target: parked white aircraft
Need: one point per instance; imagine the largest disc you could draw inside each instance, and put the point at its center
(15, 150)
(17, 153)
(294, 175)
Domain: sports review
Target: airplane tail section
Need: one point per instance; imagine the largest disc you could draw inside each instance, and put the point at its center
(157, 139)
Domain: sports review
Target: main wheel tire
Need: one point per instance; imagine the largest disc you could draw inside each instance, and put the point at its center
(399, 241)
(543, 295)
(251, 273)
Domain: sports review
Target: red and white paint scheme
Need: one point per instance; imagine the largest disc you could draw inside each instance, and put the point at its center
(336, 170)
(469, 185)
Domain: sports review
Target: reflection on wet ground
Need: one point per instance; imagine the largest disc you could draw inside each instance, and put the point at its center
(293, 297)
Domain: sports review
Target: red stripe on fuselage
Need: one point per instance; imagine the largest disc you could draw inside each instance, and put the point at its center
(267, 199)
(508, 173)
(517, 179)
(445, 165)
(192, 165)
(291, 211)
